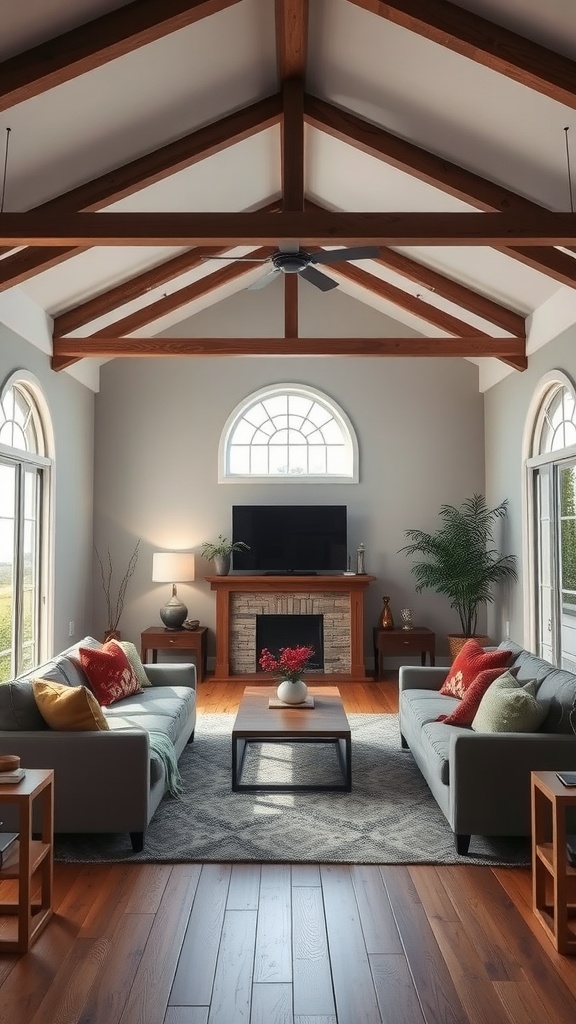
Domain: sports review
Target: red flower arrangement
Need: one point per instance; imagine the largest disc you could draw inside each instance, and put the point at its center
(290, 664)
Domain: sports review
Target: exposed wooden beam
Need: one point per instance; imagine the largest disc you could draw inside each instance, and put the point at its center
(440, 173)
(139, 174)
(106, 347)
(404, 300)
(459, 294)
(292, 157)
(290, 305)
(310, 228)
(291, 38)
(96, 42)
(497, 48)
(182, 296)
(135, 287)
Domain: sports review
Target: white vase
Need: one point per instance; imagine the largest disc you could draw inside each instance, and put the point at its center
(292, 692)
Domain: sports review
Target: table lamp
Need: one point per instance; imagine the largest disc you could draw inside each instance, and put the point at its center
(173, 567)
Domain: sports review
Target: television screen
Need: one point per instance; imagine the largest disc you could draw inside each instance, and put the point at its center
(290, 538)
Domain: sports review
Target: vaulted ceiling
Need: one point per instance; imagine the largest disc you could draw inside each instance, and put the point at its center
(161, 132)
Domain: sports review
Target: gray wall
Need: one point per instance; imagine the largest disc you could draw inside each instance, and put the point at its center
(506, 410)
(72, 410)
(158, 424)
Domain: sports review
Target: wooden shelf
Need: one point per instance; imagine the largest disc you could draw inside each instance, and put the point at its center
(553, 877)
(27, 858)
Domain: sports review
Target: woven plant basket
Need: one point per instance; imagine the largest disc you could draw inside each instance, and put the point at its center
(456, 642)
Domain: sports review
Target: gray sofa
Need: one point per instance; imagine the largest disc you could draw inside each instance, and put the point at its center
(105, 781)
(481, 781)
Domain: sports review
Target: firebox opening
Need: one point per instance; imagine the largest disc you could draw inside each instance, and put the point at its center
(276, 631)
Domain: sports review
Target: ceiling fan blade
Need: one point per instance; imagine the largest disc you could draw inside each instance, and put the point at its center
(262, 282)
(239, 259)
(365, 252)
(325, 284)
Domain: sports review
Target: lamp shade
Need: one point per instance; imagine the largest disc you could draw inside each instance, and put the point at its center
(172, 567)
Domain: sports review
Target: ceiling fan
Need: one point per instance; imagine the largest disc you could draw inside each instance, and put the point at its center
(291, 259)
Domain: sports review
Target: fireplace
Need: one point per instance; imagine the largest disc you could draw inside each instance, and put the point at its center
(338, 600)
(276, 631)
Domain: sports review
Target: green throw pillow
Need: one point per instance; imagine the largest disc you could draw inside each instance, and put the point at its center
(135, 662)
(507, 706)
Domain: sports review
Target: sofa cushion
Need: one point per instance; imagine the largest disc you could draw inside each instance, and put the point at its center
(109, 673)
(135, 661)
(468, 664)
(161, 708)
(18, 709)
(556, 690)
(464, 712)
(508, 706)
(68, 708)
(423, 706)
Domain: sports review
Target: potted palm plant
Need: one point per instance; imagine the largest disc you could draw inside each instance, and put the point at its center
(461, 561)
(221, 553)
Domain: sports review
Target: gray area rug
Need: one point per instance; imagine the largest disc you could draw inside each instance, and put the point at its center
(389, 817)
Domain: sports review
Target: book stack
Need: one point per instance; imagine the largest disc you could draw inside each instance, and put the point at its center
(7, 839)
(10, 770)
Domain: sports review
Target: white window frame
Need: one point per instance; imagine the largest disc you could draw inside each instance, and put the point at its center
(532, 460)
(304, 391)
(29, 384)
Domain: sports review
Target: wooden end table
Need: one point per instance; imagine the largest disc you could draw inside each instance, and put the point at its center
(399, 642)
(553, 877)
(326, 722)
(158, 638)
(28, 856)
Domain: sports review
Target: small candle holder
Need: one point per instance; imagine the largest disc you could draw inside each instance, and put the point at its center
(406, 617)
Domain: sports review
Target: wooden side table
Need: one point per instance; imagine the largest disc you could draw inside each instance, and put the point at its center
(399, 642)
(28, 856)
(157, 638)
(553, 877)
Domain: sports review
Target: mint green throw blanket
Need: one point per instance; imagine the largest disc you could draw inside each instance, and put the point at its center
(162, 746)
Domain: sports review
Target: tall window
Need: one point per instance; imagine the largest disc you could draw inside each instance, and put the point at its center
(24, 468)
(289, 431)
(552, 483)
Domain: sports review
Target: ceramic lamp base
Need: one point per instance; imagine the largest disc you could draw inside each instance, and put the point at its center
(174, 613)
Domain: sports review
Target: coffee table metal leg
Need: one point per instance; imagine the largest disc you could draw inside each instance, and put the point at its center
(238, 756)
(344, 748)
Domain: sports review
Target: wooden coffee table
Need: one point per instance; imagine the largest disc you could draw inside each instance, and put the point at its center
(257, 723)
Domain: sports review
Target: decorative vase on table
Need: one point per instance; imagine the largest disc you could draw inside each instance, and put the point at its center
(386, 617)
(290, 663)
(292, 691)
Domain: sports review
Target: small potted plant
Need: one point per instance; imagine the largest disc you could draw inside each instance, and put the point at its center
(221, 553)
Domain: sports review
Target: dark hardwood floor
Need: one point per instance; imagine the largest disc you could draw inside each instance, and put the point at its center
(290, 944)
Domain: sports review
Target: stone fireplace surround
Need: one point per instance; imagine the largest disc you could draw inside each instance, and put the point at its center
(339, 599)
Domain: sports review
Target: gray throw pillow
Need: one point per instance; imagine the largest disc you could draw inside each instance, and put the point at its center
(18, 709)
(507, 706)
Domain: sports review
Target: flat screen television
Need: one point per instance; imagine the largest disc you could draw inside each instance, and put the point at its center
(290, 538)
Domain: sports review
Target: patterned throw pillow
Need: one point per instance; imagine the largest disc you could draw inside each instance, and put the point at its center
(468, 664)
(134, 659)
(508, 706)
(68, 708)
(109, 673)
(464, 713)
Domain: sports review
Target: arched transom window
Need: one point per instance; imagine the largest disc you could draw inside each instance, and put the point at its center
(289, 431)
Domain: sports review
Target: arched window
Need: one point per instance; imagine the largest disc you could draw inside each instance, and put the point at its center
(551, 493)
(24, 515)
(288, 431)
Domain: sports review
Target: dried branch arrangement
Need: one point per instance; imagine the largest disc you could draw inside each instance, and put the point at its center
(114, 609)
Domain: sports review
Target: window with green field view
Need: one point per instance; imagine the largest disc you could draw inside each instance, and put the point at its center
(23, 469)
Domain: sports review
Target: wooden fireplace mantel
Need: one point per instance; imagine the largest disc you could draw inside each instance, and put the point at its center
(354, 586)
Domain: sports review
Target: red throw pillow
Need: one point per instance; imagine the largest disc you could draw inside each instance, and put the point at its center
(468, 664)
(109, 673)
(468, 706)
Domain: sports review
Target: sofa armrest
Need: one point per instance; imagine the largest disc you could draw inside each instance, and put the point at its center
(171, 674)
(101, 779)
(421, 677)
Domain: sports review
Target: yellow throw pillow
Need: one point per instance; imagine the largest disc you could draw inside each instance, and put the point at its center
(68, 708)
